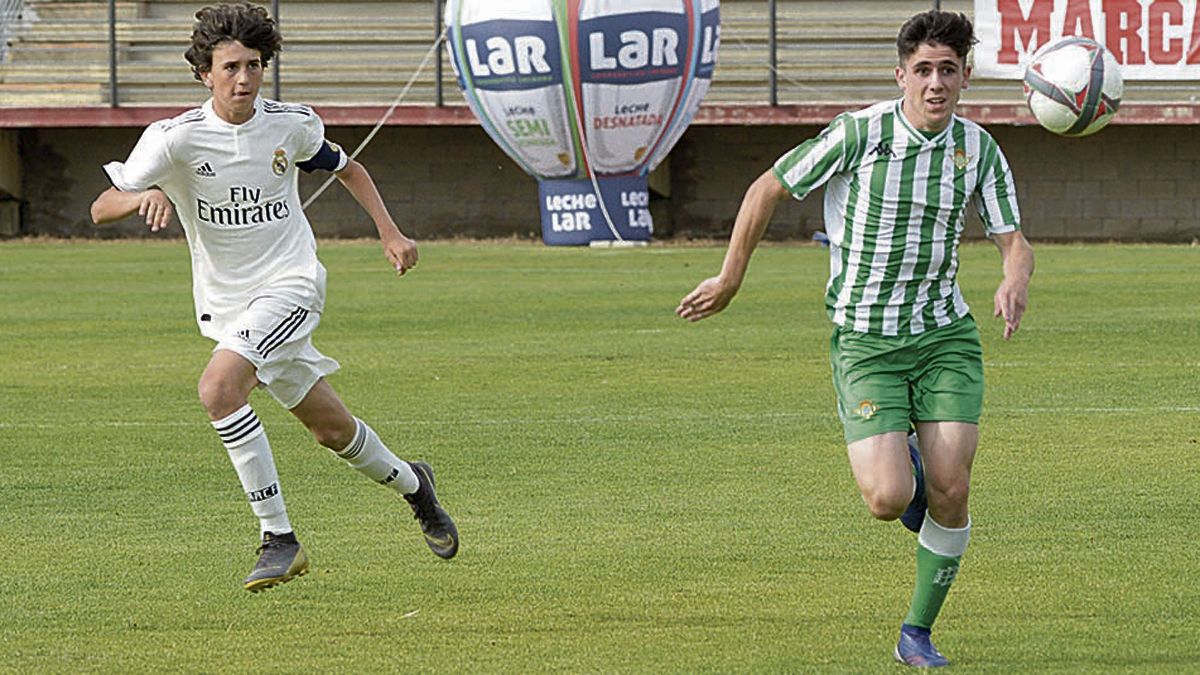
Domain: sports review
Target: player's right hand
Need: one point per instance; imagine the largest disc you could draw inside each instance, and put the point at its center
(156, 208)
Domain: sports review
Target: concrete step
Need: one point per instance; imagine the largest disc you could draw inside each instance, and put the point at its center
(370, 10)
(154, 31)
(168, 73)
(53, 94)
(53, 10)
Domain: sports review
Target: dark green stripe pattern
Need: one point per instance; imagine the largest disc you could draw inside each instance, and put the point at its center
(895, 208)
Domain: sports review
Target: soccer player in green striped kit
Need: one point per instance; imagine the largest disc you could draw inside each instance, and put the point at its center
(905, 349)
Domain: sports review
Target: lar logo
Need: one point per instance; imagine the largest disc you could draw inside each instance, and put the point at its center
(961, 158)
(866, 409)
(280, 163)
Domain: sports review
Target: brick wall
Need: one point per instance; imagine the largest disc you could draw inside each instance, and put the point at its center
(437, 182)
(1135, 183)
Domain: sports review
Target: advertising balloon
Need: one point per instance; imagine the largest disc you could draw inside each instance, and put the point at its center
(588, 96)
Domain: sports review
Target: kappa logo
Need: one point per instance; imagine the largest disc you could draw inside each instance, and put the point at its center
(205, 170)
(883, 149)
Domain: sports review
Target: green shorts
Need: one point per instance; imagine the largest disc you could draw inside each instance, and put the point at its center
(883, 383)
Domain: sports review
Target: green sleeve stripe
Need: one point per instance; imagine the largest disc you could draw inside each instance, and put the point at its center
(813, 162)
(996, 192)
(1006, 193)
(862, 128)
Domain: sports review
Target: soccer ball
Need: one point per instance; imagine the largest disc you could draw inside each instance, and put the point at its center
(1073, 86)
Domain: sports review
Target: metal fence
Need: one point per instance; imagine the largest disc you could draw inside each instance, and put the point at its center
(437, 6)
(105, 52)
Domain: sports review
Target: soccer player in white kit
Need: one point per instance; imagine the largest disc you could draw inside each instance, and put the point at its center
(228, 169)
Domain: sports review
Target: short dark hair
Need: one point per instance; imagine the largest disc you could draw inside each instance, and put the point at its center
(953, 30)
(248, 24)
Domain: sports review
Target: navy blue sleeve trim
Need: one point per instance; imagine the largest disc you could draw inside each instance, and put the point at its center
(326, 159)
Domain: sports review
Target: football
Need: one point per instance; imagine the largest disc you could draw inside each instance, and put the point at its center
(1073, 86)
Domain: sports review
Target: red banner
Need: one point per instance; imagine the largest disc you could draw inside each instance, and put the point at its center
(1151, 39)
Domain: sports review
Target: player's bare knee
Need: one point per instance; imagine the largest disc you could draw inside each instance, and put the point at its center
(333, 436)
(884, 504)
(219, 396)
(887, 511)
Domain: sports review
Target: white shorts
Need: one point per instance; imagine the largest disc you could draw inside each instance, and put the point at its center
(276, 336)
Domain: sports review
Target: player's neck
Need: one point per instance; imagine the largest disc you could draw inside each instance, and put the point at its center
(929, 128)
(232, 115)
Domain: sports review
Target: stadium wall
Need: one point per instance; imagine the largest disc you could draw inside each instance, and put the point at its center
(1130, 183)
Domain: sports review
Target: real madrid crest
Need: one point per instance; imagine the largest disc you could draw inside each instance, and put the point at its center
(279, 163)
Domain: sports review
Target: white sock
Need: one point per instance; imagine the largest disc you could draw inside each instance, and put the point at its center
(370, 456)
(947, 542)
(244, 439)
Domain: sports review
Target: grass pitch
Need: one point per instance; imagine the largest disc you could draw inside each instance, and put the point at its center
(635, 493)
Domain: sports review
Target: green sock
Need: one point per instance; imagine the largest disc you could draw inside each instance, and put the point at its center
(935, 573)
(939, 550)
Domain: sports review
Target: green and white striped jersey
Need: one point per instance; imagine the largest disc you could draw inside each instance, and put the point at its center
(895, 204)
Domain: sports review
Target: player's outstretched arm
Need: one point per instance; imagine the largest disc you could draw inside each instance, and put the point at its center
(1012, 296)
(715, 293)
(400, 250)
(114, 204)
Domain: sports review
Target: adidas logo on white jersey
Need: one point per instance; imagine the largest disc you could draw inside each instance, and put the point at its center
(206, 170)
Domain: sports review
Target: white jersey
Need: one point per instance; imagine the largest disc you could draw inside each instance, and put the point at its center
(234, 187)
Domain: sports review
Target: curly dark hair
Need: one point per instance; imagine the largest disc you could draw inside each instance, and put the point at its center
(248, 24)
(950, 29)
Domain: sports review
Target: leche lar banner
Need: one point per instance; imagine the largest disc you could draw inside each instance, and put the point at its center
(1151, 39)
(588, 96)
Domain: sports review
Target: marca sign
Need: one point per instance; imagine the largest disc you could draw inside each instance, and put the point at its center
(1151, 39)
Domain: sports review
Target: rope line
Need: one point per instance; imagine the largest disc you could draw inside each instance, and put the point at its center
(403, 92)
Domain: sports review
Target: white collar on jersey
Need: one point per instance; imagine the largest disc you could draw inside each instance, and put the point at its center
(917, 133)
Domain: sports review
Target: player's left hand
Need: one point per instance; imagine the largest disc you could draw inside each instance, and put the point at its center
(1011, 300)
(711, 296)
(401, 252)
